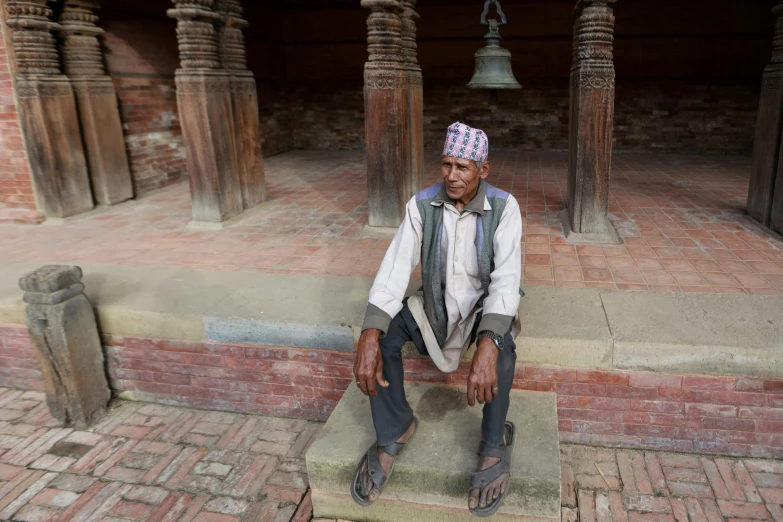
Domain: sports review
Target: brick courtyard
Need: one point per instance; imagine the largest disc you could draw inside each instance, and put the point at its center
(147, 462)
(682, 219)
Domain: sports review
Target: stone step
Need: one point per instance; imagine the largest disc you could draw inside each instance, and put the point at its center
(430, 479)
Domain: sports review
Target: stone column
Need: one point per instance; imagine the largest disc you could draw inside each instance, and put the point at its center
(415, 98)
(590, 125)
(206, 114)
(386, 115)
(96, 101)
(61, 323)
(244, 97)
(47, 113)
(769, 122)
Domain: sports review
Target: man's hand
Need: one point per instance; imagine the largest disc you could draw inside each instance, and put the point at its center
(483, 377)
(368, 364)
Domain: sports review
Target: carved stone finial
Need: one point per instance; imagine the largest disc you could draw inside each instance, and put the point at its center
(384, 34)
(594, 40)
(196, 34)
(82, 54)
(61, 323)
(233, 55)
(408, 41)
(771, 79)
(34, 44)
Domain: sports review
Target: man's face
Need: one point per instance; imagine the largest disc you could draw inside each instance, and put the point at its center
(462, 176)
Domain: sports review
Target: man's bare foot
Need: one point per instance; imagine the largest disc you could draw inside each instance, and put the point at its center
(386, 460)
(483, 497)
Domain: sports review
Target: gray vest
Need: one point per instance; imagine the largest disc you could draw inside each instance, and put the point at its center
(432, 224)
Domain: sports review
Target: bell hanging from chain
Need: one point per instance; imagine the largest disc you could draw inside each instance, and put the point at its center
(493, 63)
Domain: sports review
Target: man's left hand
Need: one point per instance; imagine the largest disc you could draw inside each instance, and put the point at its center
(483, 378)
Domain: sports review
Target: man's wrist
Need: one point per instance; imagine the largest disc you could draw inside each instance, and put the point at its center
(494, 338)
(372, 333)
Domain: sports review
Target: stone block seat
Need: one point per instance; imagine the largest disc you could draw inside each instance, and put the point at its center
(430, 479)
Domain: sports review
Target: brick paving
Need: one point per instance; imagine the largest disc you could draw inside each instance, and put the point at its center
(149, 462)
(607, 485)
(682, 219)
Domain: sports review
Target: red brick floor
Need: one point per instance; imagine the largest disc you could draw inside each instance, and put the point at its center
(148, 462)
(682, 219)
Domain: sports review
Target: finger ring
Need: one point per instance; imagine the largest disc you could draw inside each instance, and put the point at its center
(494, 387)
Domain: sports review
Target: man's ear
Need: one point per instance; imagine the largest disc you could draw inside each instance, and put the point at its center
(485, 168)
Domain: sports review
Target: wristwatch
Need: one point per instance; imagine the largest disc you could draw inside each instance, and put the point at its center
(497, 339)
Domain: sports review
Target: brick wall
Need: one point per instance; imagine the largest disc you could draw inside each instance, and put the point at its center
(680, 116)
(18, 367)
(141, 55)
(722, 415)
(275, 108)
(17, 199)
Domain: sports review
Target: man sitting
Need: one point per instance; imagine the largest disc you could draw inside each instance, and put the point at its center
(467, 235)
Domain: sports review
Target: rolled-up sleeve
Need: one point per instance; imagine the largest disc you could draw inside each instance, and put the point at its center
(502, 301)
(390, 284)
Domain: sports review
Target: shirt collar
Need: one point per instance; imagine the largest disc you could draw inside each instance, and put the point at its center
(478, 204)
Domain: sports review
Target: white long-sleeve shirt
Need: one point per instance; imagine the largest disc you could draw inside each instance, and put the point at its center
(462, 287)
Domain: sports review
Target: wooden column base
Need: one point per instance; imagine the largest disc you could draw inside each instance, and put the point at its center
(415, 151)
(208, 128)
(766, 148)
(388, 142)
(603, 232)
(592, 114)
(103, 140)
(244, 97)
(50, 125)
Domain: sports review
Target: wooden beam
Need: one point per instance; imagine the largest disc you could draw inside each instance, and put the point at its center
(96, 100)
(766, 148)
(387, 115)
(47, 113)
(590, 129)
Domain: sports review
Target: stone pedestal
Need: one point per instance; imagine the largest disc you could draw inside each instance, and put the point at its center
(61, 323)
(206, 114)
(387, 115)
(96, 99)
(590, 127)
(244, 99)
(47, 113)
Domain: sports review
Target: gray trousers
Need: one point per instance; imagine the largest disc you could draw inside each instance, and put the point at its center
(391, 413)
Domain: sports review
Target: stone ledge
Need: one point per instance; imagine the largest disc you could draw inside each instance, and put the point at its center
(579, 328)
(431, 478)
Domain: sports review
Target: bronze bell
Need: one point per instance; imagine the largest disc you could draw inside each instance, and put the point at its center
(493, 63)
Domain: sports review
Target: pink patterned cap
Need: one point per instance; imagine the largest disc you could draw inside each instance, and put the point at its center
(466, 142)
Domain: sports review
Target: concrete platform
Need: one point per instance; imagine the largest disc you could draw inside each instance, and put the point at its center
(430, 480)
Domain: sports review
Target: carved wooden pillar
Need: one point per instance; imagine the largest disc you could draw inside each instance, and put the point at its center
(244, 97)
(590, 126)
(386, 115)
(766, 148)
(96, 100)
(206, 114)
(47, 112)
(415, 177)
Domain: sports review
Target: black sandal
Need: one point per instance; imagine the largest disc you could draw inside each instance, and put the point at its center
(480, 479)
(377, 475)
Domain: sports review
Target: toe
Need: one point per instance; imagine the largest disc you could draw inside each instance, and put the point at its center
(483, 497)
(473, 499)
